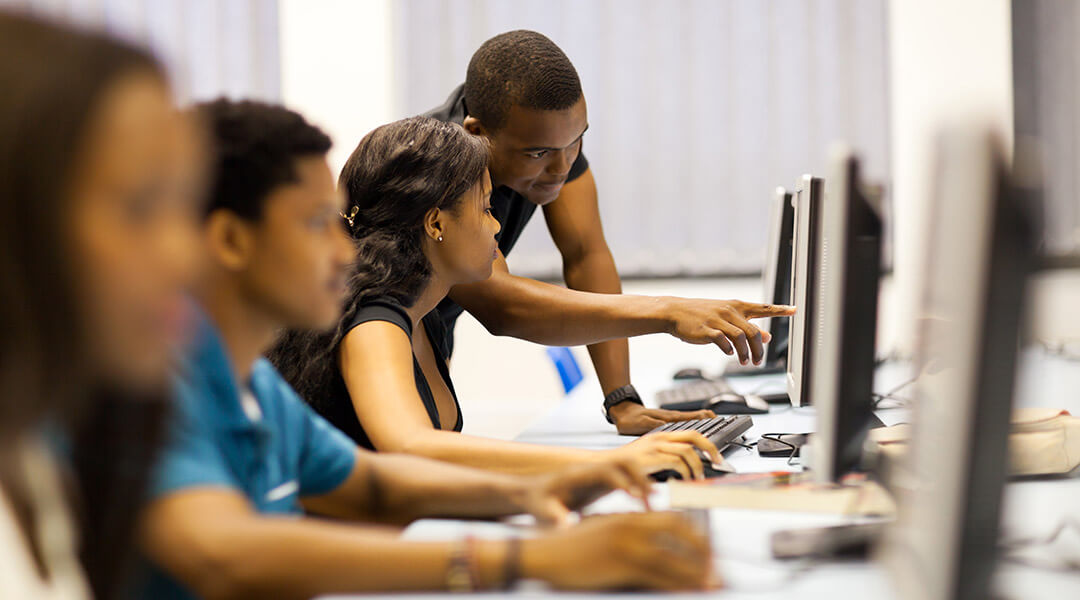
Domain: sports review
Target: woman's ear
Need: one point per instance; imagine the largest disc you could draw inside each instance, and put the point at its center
(474, 126)
(433, 224)
(229, 239)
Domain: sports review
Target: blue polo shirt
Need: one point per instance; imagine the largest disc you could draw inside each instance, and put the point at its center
(273, 460)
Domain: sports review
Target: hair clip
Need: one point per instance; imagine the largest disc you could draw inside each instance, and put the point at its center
(351, 216)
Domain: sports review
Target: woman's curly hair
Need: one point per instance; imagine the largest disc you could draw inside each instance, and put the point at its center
(396, 174)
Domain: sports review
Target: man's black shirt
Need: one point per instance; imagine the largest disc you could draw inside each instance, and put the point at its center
(511, 208)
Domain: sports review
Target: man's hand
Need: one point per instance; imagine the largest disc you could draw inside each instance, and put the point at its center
(634, 419)
(724, 323)
(551, 498)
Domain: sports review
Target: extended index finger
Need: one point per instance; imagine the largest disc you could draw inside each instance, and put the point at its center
(756, 311)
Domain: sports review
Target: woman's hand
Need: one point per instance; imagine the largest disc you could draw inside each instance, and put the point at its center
(643, 551)
(677, 450)
(551, 498)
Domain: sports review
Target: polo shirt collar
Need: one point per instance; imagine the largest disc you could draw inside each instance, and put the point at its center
(209, 357)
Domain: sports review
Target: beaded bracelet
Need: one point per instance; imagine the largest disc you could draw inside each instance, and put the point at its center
(461, 572)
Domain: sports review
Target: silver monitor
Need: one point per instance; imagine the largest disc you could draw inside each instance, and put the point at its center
(980, 246)
(806, 201)
(847, 253)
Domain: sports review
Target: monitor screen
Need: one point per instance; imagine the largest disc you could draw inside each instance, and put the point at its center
(777, 275)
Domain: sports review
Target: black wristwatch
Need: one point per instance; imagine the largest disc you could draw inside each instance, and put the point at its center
(626, 393)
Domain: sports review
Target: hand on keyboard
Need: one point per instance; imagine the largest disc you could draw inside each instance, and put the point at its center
(660, 550)
(675, 450)
(635, 419)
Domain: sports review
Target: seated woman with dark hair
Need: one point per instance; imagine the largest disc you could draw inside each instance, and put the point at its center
(419, 211)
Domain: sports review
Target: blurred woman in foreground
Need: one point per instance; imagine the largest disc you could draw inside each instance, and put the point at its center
(97, 243)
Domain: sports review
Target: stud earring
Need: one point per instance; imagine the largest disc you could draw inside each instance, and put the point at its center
(439, 239)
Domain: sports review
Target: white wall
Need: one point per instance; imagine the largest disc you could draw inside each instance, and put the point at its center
(336, 58)
(949, 59)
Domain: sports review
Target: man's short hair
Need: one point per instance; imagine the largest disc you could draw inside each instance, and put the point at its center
(254, 147)
(522, 68)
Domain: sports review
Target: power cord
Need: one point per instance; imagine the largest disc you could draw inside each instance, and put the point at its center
(1065, 349)
(891, 394)
(1066, 564)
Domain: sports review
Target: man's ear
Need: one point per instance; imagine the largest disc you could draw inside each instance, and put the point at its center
(433, 224)
(474, 126)
(231, 239)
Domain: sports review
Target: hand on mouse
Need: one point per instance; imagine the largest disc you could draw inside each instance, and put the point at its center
(675, 450)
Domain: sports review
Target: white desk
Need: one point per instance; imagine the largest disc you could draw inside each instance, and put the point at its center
(740, 537)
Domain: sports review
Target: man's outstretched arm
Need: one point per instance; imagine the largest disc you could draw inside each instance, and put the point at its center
(594, 313)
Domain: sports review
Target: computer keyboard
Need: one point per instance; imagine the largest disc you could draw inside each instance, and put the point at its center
(702, 389)
(721, 431)
(714, 394)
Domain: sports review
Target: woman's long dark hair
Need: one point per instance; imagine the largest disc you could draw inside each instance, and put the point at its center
(396, 174)
(53, 79)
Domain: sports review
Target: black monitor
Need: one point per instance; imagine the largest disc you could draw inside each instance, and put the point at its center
(980, 251)
(806, 201)
(776, 277)
(842, 319)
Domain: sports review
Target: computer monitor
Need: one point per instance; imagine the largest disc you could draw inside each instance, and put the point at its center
(980, 251)
(777, 275)
(806, 202)
(842, 319)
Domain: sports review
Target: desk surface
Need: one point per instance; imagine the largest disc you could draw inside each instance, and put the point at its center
(1032, 509)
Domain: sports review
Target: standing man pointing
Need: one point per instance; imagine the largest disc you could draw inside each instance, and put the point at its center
(522, 93)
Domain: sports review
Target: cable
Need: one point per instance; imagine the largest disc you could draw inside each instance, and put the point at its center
(891, 394)
(1061, 349)
(1068, 565)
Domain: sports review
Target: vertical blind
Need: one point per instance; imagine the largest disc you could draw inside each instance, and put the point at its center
(698, 109)
(210, 47)
(1046, 77)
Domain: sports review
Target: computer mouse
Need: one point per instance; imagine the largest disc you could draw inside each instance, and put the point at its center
(708, 468)
(688, 373)
(734, 404)
(665, 475)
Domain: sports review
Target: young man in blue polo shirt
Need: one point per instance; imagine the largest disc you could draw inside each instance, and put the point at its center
(247, 457)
